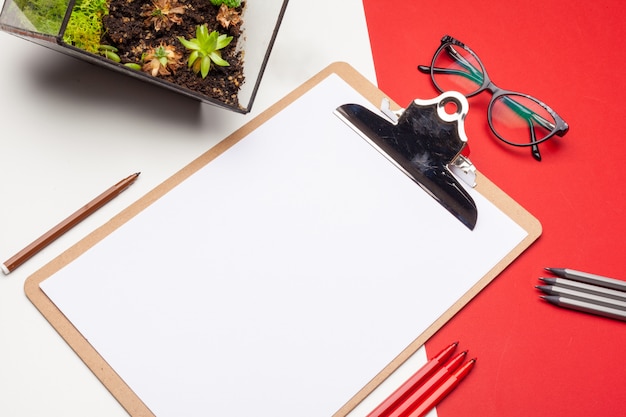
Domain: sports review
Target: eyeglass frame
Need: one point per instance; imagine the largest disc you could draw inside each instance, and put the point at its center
(559, 129)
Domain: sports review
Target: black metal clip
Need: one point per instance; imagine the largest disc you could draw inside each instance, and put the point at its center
(424, 140)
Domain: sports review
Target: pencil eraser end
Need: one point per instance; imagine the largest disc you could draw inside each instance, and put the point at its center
(5, 269)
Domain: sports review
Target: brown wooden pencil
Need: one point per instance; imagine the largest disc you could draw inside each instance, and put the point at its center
(58, 230)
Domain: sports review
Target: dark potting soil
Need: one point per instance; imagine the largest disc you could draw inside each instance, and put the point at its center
(127, 29)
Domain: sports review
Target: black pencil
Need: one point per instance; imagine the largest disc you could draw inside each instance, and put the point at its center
(585, 307)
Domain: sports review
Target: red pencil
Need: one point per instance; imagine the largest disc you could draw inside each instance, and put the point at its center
(431, 384)
(411, 384)
(444, 389)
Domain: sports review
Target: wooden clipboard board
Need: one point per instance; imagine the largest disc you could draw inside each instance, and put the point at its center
(117, 386)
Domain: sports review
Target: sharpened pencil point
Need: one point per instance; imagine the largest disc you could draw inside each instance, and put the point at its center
(552, 299)
(559, 272)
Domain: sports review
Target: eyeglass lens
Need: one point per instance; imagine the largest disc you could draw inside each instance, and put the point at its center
(519, 120)
(516, 119)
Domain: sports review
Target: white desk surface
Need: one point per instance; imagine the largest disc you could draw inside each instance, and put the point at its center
(70, 130)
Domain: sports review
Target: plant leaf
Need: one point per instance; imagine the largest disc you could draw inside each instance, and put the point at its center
(211, 42)
(202, 33)
(223, 41)
(189, 44)
(107, 48)
(192, 58)
(133, 66)
(112, 56)
(217, 58)
(205, 66)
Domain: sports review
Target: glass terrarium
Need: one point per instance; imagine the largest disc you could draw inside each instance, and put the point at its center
(212, 50)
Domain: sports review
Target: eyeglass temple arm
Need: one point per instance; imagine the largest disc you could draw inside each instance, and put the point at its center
(534, 149)
(527, 114)
(477, 77)
(465, 63)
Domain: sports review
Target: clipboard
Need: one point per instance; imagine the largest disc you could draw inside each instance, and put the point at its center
(121, 383)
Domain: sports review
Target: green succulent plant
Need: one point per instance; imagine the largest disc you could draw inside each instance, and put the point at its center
(161, 60)
(110, 52)
(205, 49)
(229, 3)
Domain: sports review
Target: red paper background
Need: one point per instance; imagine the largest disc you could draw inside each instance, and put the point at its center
(534, 359)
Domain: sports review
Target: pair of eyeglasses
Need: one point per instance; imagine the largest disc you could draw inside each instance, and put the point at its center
(515, 118)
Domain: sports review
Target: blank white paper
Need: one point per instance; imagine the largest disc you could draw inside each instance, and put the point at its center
(281, 277)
